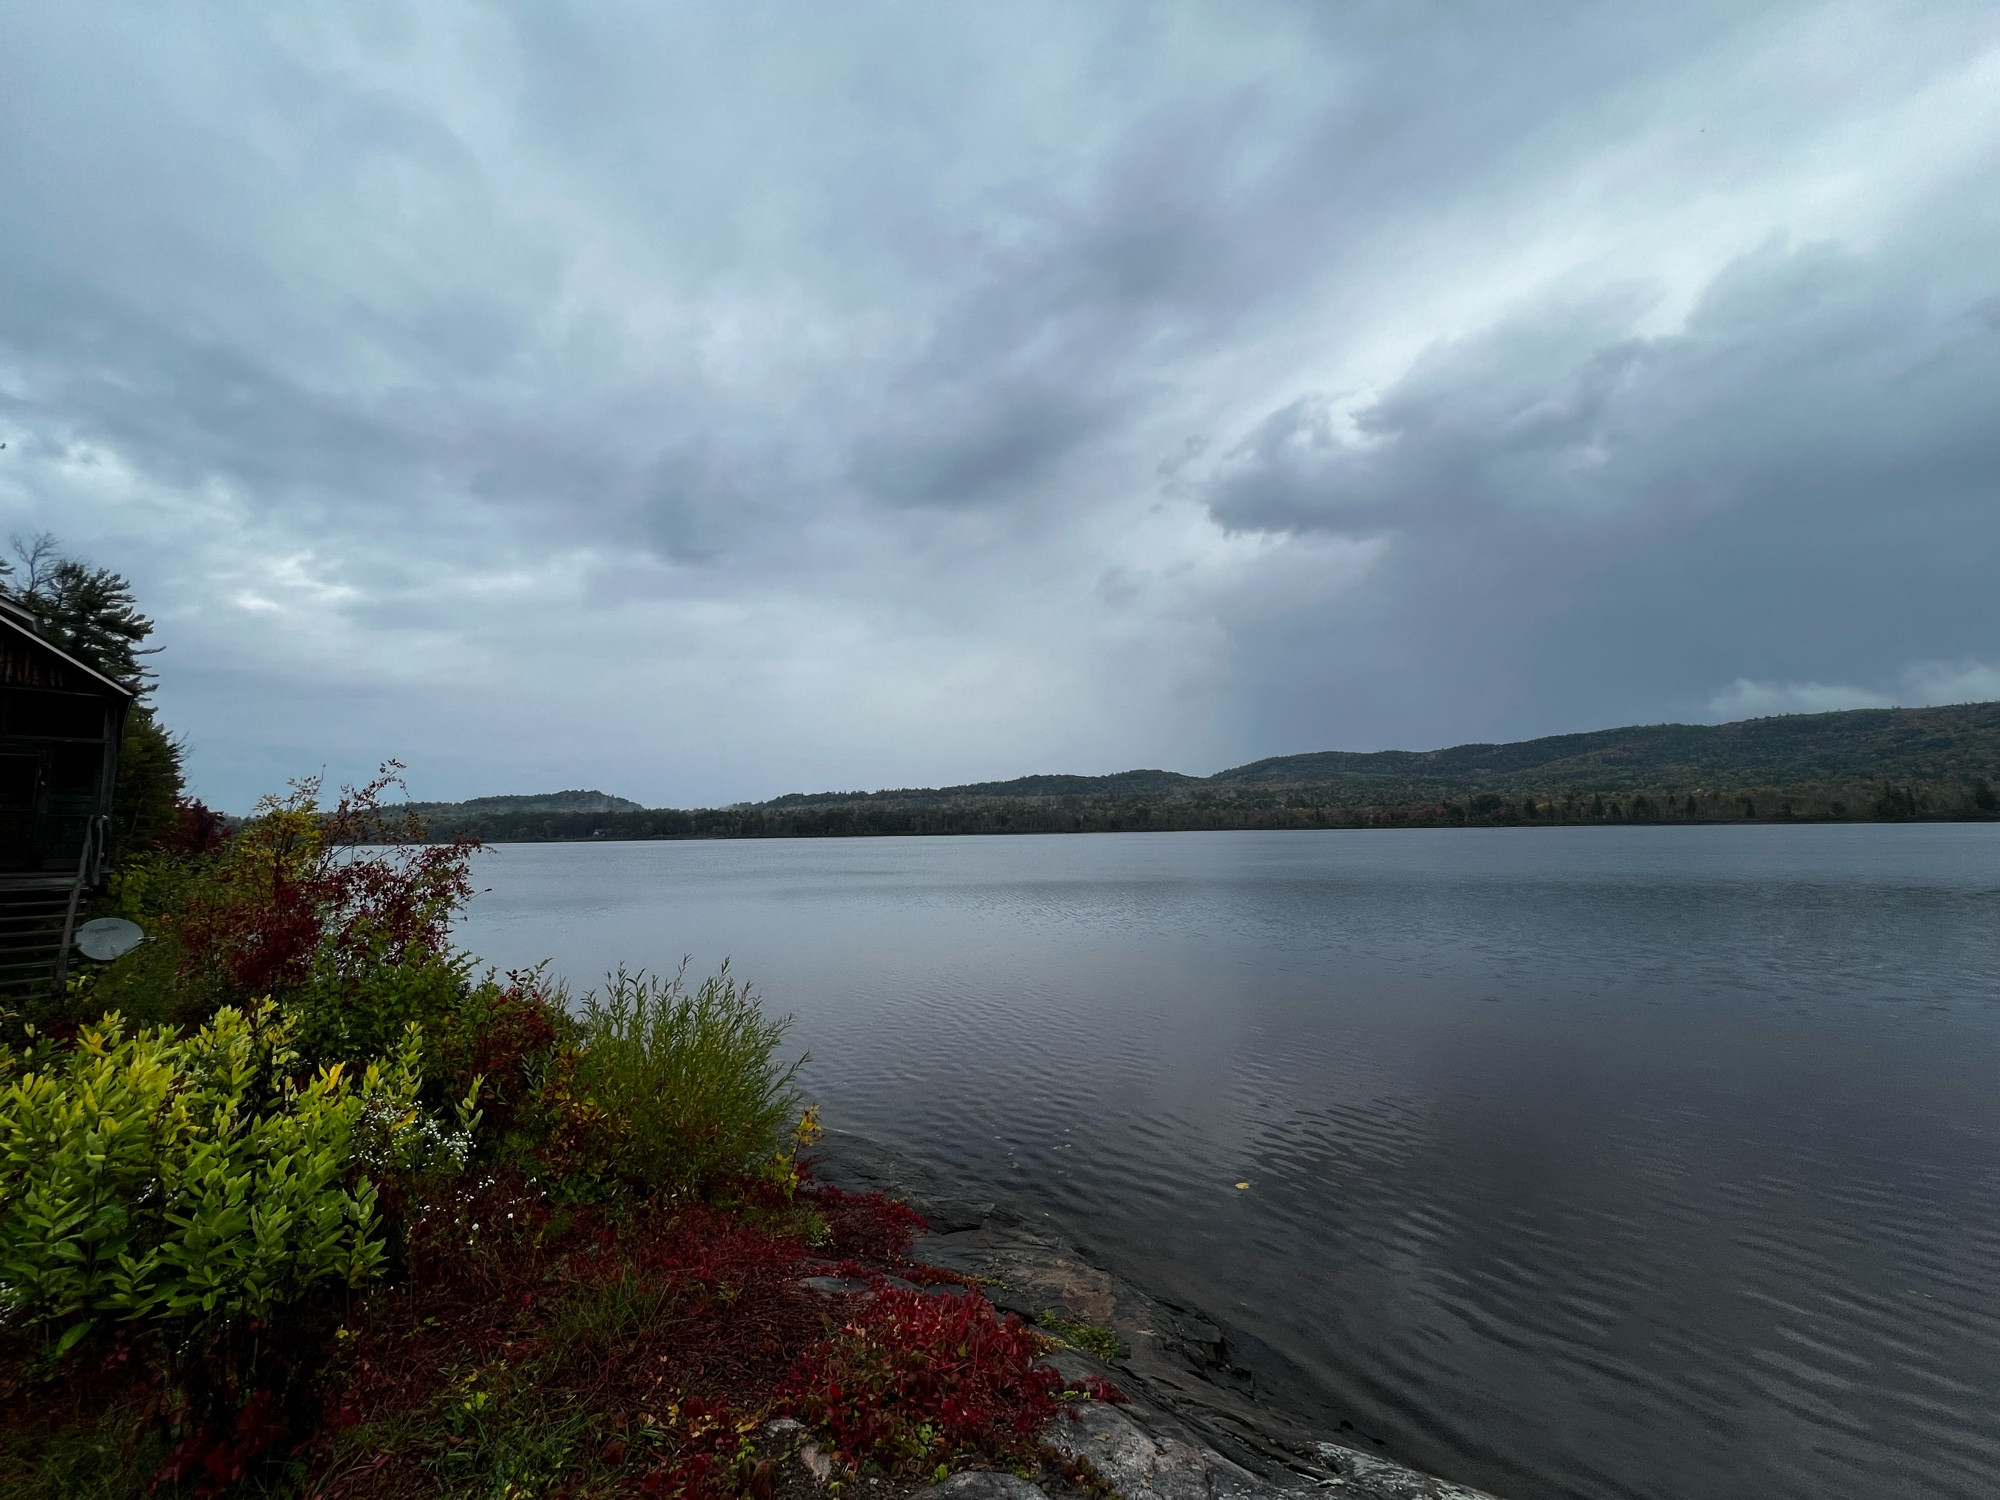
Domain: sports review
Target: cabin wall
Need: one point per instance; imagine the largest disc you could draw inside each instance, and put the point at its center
(60, 727)
(58, 765)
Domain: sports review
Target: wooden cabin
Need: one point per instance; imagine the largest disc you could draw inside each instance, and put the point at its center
(60, 727)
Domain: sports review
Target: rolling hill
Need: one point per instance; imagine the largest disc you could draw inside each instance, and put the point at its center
(1856, 765)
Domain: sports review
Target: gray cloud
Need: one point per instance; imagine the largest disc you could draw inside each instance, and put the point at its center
(1802, 482)
(708, 403)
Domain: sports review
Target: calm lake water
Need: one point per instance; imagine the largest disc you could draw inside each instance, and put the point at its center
(1583, 1162)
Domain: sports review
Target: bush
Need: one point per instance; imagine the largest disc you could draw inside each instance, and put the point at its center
(295, 903)
(185, 1185)
(344, 919)
(506, 1040)
(359, 1010)
(352, 940)
(912, 1381)
(679, 1090)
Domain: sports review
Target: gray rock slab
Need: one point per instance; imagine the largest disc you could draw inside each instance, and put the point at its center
(836, 1286)
(1074, 1365)
(1026, 1273)
(1363, 1476)
(986, 1484)
(1196, 1428)
(1145, 1464)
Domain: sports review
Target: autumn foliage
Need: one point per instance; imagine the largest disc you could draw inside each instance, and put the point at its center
(306, 893)
(590, 1232)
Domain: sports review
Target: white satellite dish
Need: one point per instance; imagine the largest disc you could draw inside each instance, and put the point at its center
(108, 938)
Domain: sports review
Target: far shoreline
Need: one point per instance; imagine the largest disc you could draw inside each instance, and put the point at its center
(1371, 828)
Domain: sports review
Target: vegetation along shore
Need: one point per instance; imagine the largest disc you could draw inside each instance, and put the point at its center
(1857, 765)
(293, 1202)
(297, 1202)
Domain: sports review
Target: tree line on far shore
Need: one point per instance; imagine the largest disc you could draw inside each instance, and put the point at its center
(1855, 765)
(1248, 808)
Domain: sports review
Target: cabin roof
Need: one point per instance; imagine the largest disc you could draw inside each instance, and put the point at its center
(16, 634)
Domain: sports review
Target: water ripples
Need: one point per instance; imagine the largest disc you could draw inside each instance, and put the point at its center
(1607, 1163)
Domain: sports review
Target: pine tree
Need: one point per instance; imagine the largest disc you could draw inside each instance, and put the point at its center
(89, 612)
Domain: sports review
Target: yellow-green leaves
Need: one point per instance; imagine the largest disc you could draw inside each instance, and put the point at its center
(149, 1177)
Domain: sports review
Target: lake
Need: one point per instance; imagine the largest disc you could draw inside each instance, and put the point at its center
(1581, 1161)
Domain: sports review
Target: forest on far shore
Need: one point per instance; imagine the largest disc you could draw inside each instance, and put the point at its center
(1859, 765)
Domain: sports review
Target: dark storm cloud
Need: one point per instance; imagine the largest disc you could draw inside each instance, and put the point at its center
(1807, 385)
(925, 395)
(1800, 484)
(977, 446)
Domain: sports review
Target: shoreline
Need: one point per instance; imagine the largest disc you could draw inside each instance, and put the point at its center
(1196, 1427)
(1394, 820)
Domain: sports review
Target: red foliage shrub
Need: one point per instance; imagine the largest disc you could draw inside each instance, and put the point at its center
(686, 1330)
(914, 1378)
(576, 1133)
(506, 1038)
(708, 1452)
(295, 888)
(700, 1253)
(217, 1456)
(636, 1313)
(196, 829)
(519, 1026)
(866, 1226)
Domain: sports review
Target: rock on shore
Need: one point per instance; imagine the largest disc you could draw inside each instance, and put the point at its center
(1192, 1430)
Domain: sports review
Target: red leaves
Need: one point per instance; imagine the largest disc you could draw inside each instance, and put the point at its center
(196, 828)
(866, 1226)
(517, 1028)
(504, 1038)
(686, 1329)
(708, 1458)
(914, 1378)
(700, 1253)
(299, 884)
(216, 1458)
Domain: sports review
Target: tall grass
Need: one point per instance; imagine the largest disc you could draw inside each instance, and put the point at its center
(690, 1078)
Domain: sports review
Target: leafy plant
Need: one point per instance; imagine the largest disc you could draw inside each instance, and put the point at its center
(297, 902)
(351, 1009)
(914, 1380)
(342, 915)
(189, 1184)
(510, 1039)
(1094, 1339)
(681, 1086)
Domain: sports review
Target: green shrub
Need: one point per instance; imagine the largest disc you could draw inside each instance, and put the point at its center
(510, 1041)
(681, 1089)
(342, 915)
(1094, 1339)
(186, 1184)
(360, 1009)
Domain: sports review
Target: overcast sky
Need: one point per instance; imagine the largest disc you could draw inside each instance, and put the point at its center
(706, 402)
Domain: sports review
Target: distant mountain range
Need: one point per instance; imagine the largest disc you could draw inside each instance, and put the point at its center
(1857, 765)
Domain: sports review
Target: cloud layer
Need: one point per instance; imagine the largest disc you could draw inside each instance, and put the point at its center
(708, 402)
